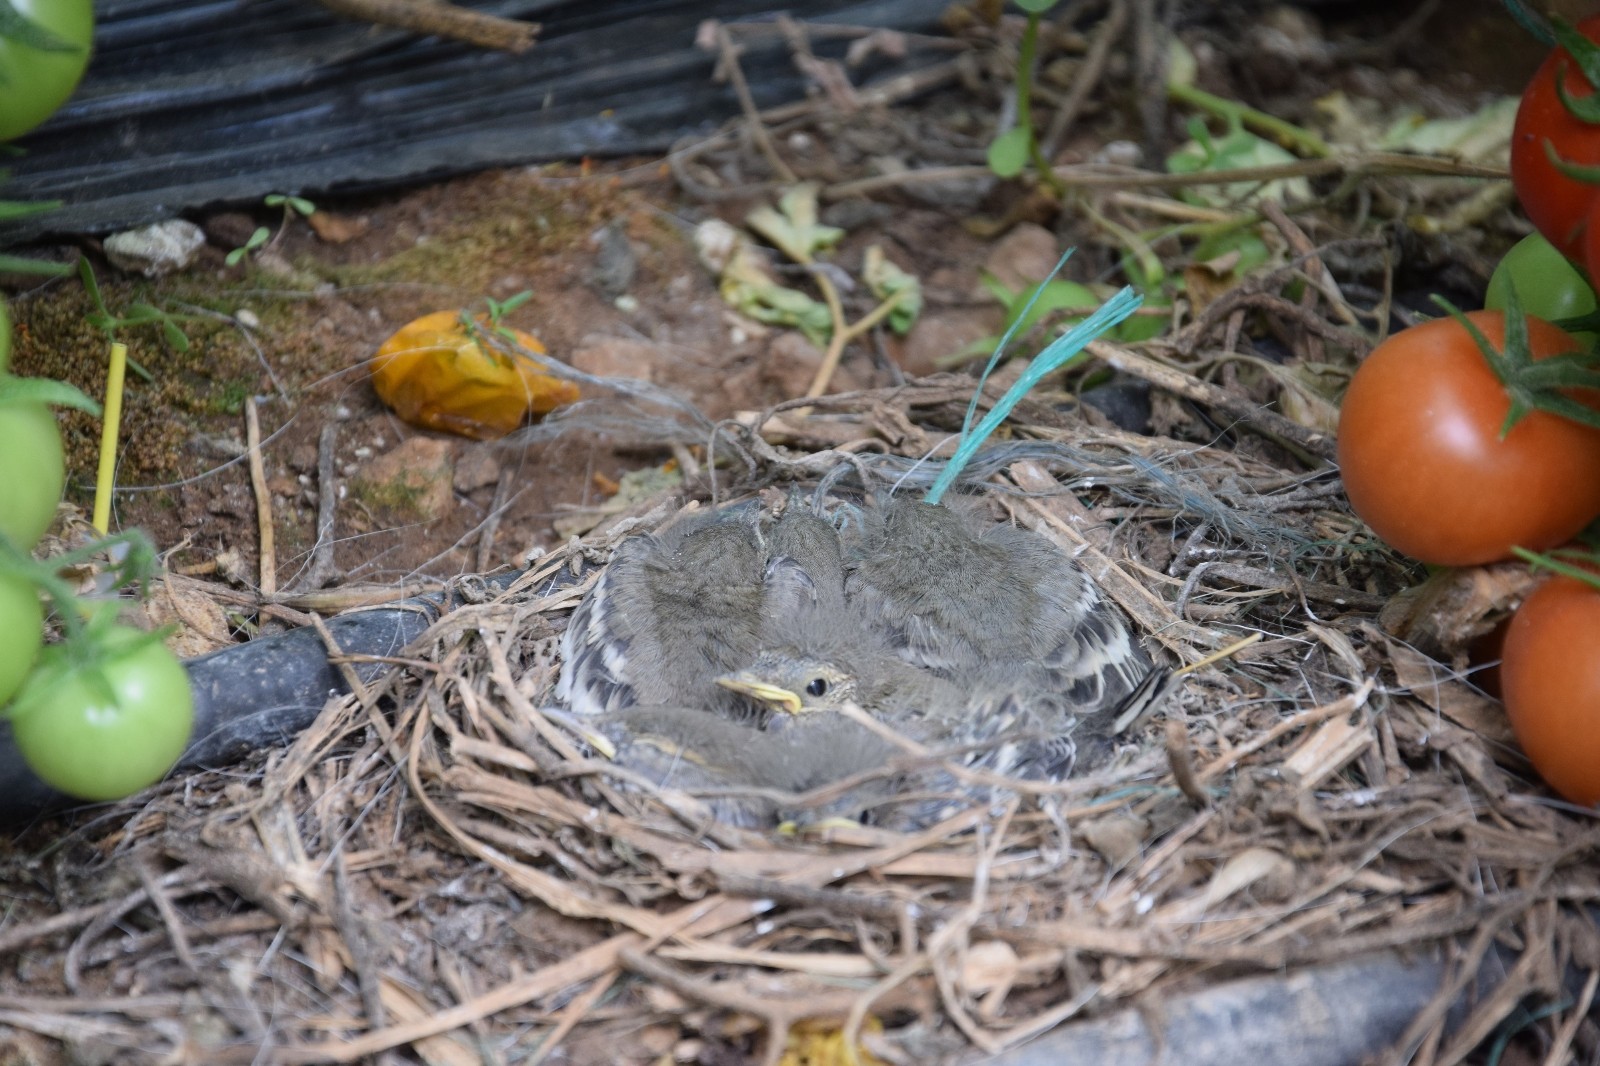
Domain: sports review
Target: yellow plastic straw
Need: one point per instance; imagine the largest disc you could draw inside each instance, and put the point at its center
(108, 438)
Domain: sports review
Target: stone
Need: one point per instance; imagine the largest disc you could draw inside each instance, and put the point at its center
(940, 334)
(616, 357)
(412, 480)
(477, 468)
(1025, 256)
(155, 250)
(792, 361)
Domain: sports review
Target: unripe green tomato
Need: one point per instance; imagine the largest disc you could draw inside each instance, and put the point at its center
(105, 727)
(34, 83)
(21, 632)
(1548, 285)
(35, 472)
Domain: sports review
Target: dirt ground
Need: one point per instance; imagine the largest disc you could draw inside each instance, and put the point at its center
(323, 307)
(499, 882)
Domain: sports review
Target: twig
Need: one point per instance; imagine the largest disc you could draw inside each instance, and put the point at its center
(497, 506)
(322, 570)
(728, 65)
(1320, 445)
(572, 1014)
(842, 334)
(1181, 760)
(441, 20)
(1561, 1046)
(258, 481)
(169, 914)
(1094, 175)
(1087, 77)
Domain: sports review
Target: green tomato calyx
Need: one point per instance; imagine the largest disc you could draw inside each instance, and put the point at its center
(1533, 385)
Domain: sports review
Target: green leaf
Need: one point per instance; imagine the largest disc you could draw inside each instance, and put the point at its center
(887, 281)
(16, 264)
(305, 207)
(793, 228)
(1238, 148)
(1581, 49)
(1036, 7)
(1008, 154)
(10, 209)
(499, 309)
(44, 390)
(175, 336)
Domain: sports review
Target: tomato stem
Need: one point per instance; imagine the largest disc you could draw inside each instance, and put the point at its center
(1550, 561)
(136, 564)
(1533, 385)
(1586, 54)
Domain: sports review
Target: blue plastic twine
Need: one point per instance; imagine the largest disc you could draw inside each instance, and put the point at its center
(1057, 354)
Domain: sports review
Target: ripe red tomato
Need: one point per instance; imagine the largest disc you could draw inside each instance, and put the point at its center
(1557, 205)
(1550, 675)
(1422, 458)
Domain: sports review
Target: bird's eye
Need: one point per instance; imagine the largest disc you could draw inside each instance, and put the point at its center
(818, 687)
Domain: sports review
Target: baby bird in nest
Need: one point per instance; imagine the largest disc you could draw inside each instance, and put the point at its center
(985, 647)
(674, 610)
(953, 595)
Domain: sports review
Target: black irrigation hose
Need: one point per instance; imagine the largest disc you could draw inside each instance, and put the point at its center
(255, 695)
(1329, 1014)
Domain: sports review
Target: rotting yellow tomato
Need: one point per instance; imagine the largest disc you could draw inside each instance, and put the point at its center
(1550, 677)
(435, 374)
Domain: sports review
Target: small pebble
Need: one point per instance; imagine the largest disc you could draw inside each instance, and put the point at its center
(247, 318)
(157, 249)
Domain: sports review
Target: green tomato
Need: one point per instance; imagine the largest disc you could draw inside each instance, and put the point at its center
(33, 472)
(1547, 284)
(21, 632)
(34, 82)
(105, 727)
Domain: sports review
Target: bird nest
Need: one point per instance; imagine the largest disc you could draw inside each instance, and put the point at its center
(1326, 827)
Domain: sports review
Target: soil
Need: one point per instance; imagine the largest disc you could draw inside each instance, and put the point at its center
(617, 290)
(324, 306)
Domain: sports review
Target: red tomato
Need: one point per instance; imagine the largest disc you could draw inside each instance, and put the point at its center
(1557, 205)
(1422, 458)
(1551, 678)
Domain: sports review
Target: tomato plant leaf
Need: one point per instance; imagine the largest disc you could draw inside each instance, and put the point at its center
(1583, 108)
(46, 391)
(1551, 561)
(888, 281)
(10, 209)
(793, 228)
(1008, 153)
(1583, 51)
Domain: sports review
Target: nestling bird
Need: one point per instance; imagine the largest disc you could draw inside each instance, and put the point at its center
(743, 772)
(674, 610)
(953, 597)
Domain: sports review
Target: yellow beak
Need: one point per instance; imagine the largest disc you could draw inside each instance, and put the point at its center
(780, 698)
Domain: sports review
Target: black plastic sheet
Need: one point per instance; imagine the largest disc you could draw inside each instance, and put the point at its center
(189, 104)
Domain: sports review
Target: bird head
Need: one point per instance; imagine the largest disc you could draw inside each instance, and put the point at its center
(793, 681)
